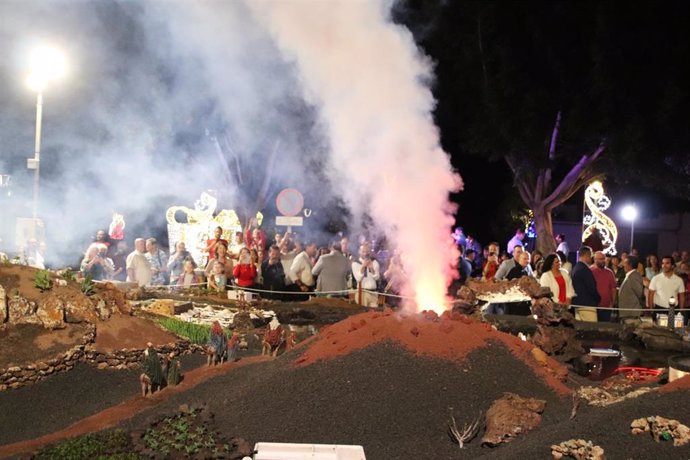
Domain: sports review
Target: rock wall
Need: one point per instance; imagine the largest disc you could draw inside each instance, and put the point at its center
(131, 358)
(19, 376)
(27, 374)
(62, 305)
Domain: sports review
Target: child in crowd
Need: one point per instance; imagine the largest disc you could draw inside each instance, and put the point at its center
(188, 278)
(217, 279)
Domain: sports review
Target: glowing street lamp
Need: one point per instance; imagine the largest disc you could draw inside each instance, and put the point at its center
(47, 65)
(629, 213)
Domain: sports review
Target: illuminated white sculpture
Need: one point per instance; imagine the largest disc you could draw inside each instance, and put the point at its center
(200, 225)
(594, 218)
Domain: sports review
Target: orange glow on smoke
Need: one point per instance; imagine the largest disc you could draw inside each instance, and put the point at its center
(430, 293)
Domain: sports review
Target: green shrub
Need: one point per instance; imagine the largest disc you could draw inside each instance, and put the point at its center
(68, 275)
(87, 285)
(183, 435)
(196, 333)
(111, 444)
(42, 280)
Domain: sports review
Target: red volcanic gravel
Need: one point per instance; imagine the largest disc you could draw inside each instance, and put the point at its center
(680, 384)
(449, 337)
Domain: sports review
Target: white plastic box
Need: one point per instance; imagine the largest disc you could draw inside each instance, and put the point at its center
(242, 295)
(290, 451)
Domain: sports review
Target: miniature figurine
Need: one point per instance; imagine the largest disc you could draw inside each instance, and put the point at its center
(274, 338)
(152, 378)
(216, 347)
(172, 371)
(233, 347)
(291, 341)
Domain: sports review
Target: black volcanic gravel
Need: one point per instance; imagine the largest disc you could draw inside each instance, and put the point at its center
(392, 402)
(397, 405)
(62, 399)
(609, 427)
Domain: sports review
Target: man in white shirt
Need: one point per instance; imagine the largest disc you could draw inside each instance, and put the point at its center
(664, 286)
(562, 244)
(138, 267)
(300, 270)
(516, 240)
(367, 272)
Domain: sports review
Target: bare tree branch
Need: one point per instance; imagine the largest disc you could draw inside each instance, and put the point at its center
(539, 188)
(522, 182)
(222, 158)
(262, 195)
(554, 137)
(525, 194)
(238, 167)
(583, 181)
(573, 175)
(552, 151)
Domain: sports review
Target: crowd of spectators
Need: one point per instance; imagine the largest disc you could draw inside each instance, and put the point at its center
(600, 287)
(287, 267)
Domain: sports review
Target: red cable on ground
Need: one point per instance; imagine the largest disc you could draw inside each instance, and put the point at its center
(638, 373)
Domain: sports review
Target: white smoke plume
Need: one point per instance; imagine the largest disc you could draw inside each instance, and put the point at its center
(371, 84)
(153, 90)
(126, 130)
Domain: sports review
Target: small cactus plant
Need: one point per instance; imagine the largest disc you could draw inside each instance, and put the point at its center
(42, 280)
(68, 275)
(87, 285)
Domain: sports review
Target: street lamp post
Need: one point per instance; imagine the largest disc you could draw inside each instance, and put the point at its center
(629, 213)
(35, 162)
(47, 64)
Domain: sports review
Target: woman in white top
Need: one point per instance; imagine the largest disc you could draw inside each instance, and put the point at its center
(557, 279)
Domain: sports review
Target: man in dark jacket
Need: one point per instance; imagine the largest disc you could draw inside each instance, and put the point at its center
(585, 286)
(631, 300)
(273, 273)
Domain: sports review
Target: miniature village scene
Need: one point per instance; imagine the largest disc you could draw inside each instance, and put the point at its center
(344, 230)
(168, 371)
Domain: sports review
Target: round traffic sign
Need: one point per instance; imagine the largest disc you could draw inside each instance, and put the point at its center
(290, 202)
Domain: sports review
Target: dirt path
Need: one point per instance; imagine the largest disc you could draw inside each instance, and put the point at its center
(121, 331)
(24, 343)
(116, 414)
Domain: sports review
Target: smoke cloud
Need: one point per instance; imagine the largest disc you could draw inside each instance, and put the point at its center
(167, 99)
(371, 85)
(163, 100)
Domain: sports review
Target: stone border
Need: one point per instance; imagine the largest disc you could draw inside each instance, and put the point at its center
(131, 358)
(28, 374)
